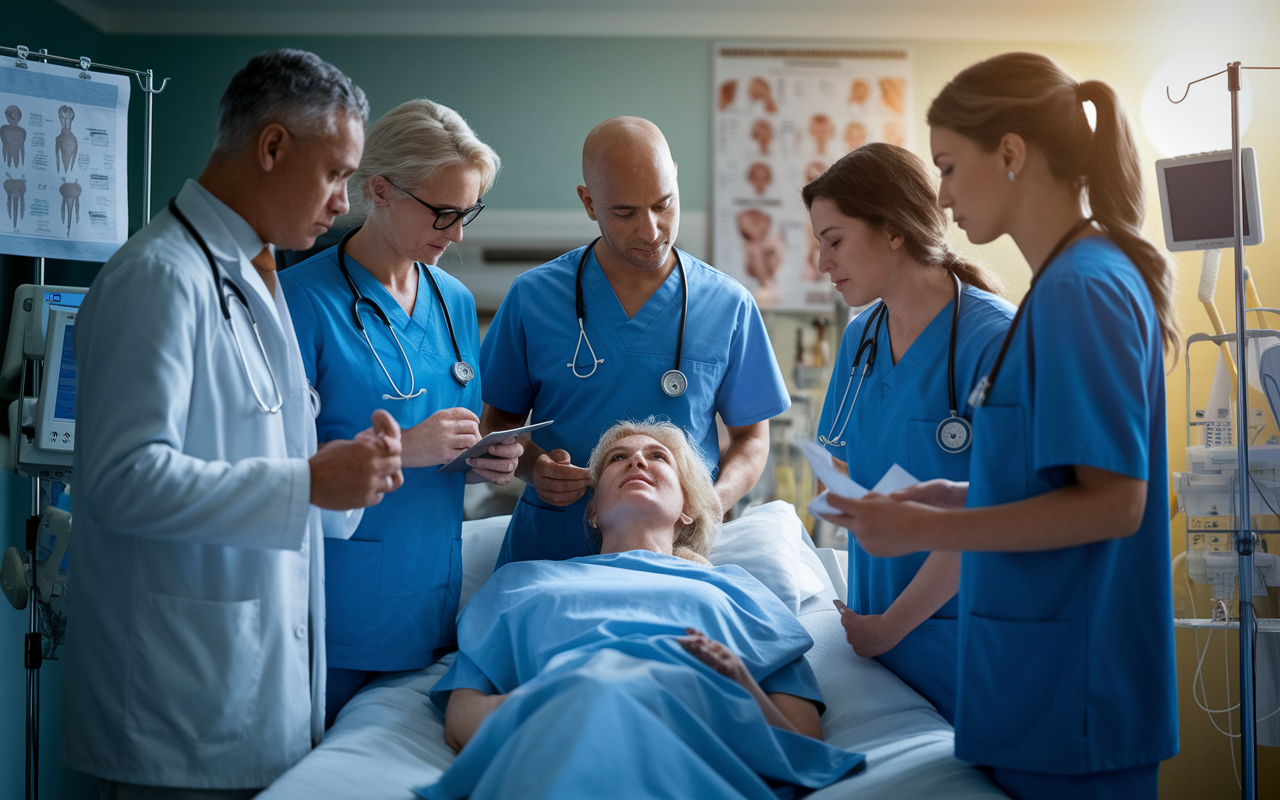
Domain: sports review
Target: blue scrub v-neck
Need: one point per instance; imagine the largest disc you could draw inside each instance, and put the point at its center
(921, 355)
(602, 299)
(411, 330)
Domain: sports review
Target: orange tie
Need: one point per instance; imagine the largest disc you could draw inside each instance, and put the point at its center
(265, 263)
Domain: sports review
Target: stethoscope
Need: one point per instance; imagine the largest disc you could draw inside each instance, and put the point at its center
(674, 382)
(980, 392)
(954, 434)
(224, 283)
(462, 371)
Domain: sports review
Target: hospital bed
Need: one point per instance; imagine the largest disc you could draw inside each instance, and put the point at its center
(389, 738)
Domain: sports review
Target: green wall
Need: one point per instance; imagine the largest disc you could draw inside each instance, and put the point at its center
(533, 99)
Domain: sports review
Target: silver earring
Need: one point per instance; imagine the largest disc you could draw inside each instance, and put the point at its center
(1011, 175)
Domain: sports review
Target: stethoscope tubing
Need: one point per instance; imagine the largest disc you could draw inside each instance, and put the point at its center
(462, 371)
(221, 283)
(871, 347)
(673, 381)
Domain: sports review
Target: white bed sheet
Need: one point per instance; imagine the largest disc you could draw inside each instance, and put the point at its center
(390, 738)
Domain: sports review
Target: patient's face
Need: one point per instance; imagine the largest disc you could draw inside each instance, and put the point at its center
(639, 477)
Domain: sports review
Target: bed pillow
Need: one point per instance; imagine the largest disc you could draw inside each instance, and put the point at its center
(481, 541)
(766, 541)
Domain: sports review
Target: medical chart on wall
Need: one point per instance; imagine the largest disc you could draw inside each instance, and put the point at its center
(783, 114)
(66, 173)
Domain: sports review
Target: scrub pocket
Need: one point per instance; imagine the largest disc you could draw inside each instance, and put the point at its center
(196, 669)
(926, 460)
(1021, 700)
(352, 588)
(1000, 455)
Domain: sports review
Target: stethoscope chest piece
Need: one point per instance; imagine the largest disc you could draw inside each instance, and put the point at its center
(462, 372)
(954, 434)
(674, 383)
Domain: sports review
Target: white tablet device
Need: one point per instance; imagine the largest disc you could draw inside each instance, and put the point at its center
(481, 447)
(1195, 199)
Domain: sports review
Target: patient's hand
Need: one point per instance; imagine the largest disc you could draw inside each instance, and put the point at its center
(786, 711)
(718, 657)
(467, 708)
(870, 634)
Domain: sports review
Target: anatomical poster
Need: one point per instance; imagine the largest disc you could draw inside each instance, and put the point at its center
(65, 161)
(783, 114)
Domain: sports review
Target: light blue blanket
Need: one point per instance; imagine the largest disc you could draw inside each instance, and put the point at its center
(604, 702)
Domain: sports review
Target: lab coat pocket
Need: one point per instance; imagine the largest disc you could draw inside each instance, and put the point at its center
(1022, 691)
(927, 460)
(197, 668)
(352, 587)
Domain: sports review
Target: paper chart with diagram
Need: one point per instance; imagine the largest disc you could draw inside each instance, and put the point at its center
(64, 147)
(783, 114)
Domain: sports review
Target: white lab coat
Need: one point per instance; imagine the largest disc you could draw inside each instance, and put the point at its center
(195, 642)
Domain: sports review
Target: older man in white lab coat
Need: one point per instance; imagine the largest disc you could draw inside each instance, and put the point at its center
(196, 629)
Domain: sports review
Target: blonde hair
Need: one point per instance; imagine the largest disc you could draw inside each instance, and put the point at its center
(415, 139)
(692, 541)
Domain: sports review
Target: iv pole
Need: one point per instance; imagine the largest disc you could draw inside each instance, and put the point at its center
(1246, 539)
(33, 651)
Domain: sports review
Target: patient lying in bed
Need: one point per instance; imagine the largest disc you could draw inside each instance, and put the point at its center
(640, 672)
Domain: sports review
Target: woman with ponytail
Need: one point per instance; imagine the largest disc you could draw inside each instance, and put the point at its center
(1066, 674)
(882, 237)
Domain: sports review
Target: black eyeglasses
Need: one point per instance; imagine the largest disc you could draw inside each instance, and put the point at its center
(445, 217)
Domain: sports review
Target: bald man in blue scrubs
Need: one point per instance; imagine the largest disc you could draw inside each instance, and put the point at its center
(633, 284)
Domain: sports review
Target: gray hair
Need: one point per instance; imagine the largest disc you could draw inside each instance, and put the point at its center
(415, 139)
(293, 88)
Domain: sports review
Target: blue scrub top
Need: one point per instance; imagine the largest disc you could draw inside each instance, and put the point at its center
(895, 421)
(1066, 656)
(727, 359)
(391, 591)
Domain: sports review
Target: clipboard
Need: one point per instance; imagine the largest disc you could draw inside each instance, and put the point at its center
(481, 447)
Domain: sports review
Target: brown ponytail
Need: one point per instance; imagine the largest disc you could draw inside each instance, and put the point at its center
(1028, 94)
(890, 188)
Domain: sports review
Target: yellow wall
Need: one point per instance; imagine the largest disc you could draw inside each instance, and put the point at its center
(1203, 768)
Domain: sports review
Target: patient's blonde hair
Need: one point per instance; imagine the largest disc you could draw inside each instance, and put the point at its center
(415, 139)
(692, 541)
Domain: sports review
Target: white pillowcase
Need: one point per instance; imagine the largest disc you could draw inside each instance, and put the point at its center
(767, 541)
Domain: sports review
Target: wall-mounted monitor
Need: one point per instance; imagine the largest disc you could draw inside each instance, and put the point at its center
(1195, 199)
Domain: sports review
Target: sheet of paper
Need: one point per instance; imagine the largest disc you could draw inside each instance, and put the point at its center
(840, 484)
(827, 472)
(819, 507)
(896, 479)
(481, 447)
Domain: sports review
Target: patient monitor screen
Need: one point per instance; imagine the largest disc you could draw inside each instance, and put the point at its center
(1200, 201)
(64, 404)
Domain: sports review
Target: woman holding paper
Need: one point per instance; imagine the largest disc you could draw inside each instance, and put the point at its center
(380, 326)
(905, 367)
(1066, 674)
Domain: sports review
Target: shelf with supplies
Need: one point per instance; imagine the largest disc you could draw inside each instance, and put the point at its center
(805, 343)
